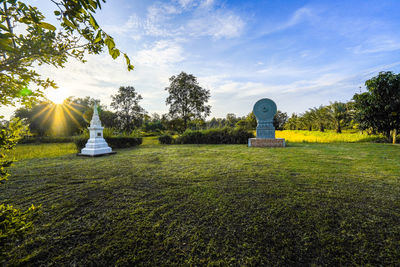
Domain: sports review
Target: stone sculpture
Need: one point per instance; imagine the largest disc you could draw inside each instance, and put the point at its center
(265, 110)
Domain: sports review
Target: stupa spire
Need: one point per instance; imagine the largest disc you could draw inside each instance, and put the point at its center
(95, 122)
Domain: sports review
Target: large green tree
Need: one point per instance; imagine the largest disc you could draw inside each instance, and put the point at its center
(187, 99)
(129, 112)
(379, 107)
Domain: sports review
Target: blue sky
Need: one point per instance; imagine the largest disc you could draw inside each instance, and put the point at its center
(301, 54)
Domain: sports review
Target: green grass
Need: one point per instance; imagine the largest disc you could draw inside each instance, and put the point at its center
(32, 151)
(306, 204)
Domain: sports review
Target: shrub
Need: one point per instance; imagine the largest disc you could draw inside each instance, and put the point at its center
(46, 139)
(113, 142)
(166, 139)
(14, 224)
(80, 142)
(215, 136)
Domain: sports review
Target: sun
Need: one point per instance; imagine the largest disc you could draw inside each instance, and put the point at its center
(57, 96)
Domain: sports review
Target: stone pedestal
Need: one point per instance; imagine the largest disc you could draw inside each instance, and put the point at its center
(267, 142)
(96, 145)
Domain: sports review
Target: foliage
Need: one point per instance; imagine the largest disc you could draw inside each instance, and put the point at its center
(166, 139)
(129, 112)
(379, 107)
(13, 225)
(307, 204)
(46, 139)
(113, 142)
(37, 42)
(215, 136)
(187, 99)
(339, 113)
(10, 134)
(280, 119)
(336, 116)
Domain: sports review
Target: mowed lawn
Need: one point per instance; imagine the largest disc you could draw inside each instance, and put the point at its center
(306, 204)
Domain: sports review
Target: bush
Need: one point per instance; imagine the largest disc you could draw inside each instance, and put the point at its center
(46, 139)
(14, 224)
(215, 136)
(113, 142)
(166, 139)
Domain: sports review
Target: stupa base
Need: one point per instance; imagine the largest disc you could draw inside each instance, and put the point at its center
(267, 142)
(96, 155)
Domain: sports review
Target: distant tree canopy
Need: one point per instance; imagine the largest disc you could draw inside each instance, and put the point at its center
(379, 107)
(187, 100)
(69, 118)
(126, 103)
(334, 116)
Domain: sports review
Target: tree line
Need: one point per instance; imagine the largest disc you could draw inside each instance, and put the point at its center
(374, 111)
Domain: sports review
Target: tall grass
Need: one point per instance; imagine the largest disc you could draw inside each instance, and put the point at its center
(327, 136)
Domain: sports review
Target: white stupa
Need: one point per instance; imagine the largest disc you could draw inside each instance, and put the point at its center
(96, 145)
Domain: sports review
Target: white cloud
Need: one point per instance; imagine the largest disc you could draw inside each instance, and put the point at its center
(297, 17)
(218, 24)
(163, 52)
(377, 45)
(202, 20)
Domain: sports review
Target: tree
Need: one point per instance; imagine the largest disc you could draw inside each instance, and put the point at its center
(320, 117)
(129, 112)
(39, 43)
(292, 123)
(379, 107)
(338, 112)
(251, 120)
(187, 99)
(280, 119)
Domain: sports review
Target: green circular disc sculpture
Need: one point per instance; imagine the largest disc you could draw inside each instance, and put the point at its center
(264, 109)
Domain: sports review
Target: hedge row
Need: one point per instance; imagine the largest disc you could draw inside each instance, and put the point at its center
(211, 136)
(113, 142)
(46, 139)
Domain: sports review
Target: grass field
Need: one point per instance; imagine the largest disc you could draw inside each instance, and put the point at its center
(306, 204)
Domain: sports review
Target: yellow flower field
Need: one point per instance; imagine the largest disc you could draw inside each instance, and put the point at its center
(325, 137)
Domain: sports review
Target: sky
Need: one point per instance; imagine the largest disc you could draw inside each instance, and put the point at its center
(301, 54)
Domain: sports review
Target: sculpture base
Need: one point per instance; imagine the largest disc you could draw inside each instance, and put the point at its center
(96, 155)
(267, 142)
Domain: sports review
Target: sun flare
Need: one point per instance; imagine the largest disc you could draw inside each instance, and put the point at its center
(57, 96)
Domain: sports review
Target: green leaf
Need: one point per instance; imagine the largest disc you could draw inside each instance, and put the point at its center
(115, 53)
(98, 37)
(110, 43)
(3, 27)
(5, 44)
(128, 62)
(69, 23)
(93, 22)
(57, 13)
(47, 26)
